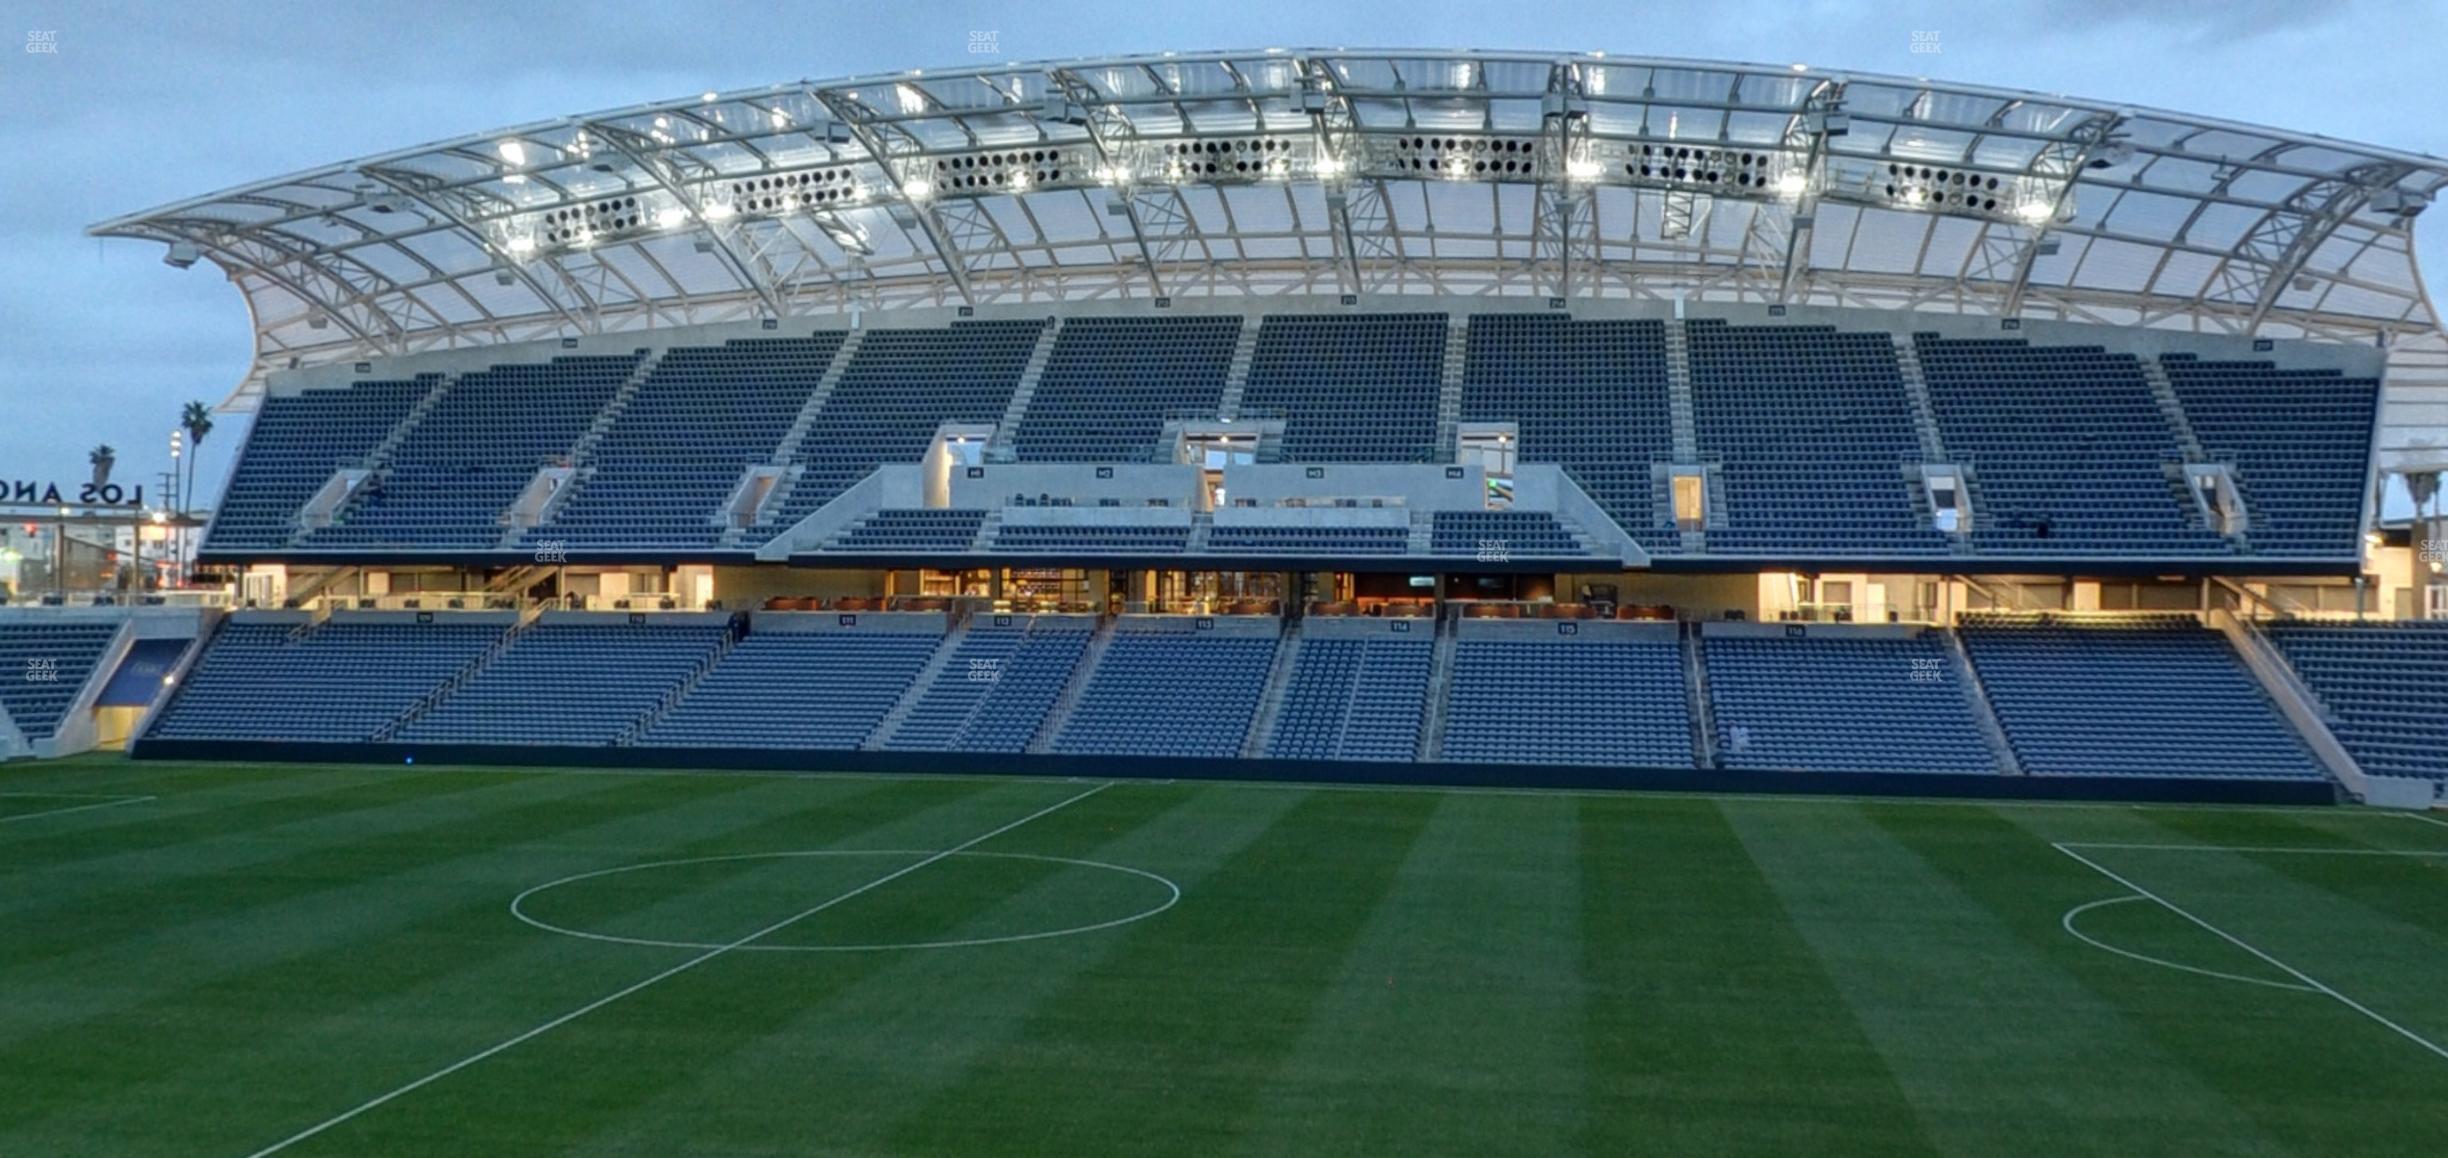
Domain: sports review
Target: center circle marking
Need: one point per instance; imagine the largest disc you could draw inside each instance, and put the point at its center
(518, 903)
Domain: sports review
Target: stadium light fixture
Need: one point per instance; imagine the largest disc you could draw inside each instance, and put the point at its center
(671, 217)
(1792, 185)
(2035, 210)
(708, 96)
(719, 211)
(522, 246)
(514, 152)
(918, 189)
(1582, 169)
(1329, 165)
(182, 254)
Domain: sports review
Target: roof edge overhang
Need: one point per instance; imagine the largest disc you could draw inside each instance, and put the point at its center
(1316, 171)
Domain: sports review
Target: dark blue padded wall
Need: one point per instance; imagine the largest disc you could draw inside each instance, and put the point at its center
(661, 473)
(2299, 442)
(295, 445)
(1350, 387)
(2142, 696)
(2067, 447)
(1813, 430)
(2385, 686)
(454, 476)
(1590, 396)
(1110, 384)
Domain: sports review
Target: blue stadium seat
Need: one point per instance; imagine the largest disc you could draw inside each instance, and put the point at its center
(2067, 447)
(781, 689)
(899, 388)
(1813, 430)
(1350, 387)
(42, 668)
(295, 445)
(1315, 542)
(577, 684)
(912, 529)
(2141, 696)
(1170, 694)
(2298, 441)
(1111, 383)
(662, 471)
(452, 478)
(2385, 686)
(1354, 699)
(1590, 396)
(339, 681)
(994, 692)
(1514, 534)
(1556, 702)
(1836, 702)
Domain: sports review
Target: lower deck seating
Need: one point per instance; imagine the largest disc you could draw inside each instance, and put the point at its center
(2147, 696)
(337, 682)
(1170, 694)
(570, 683)
(2385, 686)
(1354, 699)
(1831, 702)
(994, 692)
(1568, 702)
(42, 668)
(782, 689)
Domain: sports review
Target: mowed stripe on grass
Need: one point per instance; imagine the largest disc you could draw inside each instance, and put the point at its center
(1352, 972)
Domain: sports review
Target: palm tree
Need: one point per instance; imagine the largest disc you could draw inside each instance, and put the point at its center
(103, 459)
(197, 419)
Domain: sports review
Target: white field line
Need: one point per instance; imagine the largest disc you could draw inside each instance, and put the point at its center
(658, 978)
(2241, 943)
(2068, 922)
(112, 802)
(2424, 819)
(2065, 844)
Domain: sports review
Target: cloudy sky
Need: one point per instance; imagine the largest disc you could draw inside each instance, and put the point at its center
(144, 104)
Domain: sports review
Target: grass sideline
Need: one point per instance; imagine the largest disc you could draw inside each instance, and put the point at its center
(311, 960)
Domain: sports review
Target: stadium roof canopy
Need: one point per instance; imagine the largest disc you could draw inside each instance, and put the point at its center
(1321, 171)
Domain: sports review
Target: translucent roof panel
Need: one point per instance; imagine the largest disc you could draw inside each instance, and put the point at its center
(1319, 171)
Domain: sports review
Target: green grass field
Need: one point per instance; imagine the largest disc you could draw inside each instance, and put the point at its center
(232, 960)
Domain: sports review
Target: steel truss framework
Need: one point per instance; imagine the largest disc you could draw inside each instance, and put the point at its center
(1299, 171)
